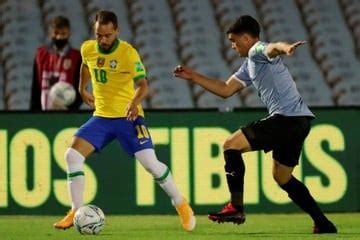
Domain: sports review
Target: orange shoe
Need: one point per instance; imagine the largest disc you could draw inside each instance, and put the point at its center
(67, 221)
(186, 215)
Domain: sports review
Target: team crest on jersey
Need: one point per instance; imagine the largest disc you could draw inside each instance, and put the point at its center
(113, 64)
(100, 62)
(67, 64)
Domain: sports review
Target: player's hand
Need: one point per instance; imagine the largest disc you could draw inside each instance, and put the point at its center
(291, 49)
(88, 98)
(131, 111)
(183, 72)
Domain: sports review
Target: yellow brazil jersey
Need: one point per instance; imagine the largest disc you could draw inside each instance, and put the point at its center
(113, 75)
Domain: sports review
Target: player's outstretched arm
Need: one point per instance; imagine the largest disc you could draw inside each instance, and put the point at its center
(218, 87)
(278, 48)
(84, 80)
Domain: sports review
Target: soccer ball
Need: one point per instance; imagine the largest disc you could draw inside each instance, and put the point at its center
(89, 220)
(62, 94)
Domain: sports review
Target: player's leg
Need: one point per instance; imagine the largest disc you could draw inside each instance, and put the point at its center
(163, 177)
(90, 137)
(75, 157)
(301, 196)
(286, 156)
(255, 136)
(233, 147)
(138, 143)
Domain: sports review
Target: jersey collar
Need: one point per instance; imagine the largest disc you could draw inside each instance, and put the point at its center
(253, 47)
(114, 47)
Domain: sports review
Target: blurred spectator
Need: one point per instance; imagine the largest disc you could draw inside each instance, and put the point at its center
(56, 61)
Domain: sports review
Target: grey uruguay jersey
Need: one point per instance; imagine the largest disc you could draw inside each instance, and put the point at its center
(273, 82)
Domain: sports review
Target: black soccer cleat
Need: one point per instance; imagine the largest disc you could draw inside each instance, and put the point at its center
(228, 214)
(328, 227)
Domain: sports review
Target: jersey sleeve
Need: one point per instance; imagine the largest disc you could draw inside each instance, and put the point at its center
(137, 67)
(83, 53)
(258, 53)
(242, 75)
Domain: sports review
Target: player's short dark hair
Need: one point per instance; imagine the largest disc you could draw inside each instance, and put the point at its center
(105, 17)
(60, 22)
(245, 24)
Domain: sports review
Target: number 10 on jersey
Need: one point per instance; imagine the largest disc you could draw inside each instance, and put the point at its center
(100, 75)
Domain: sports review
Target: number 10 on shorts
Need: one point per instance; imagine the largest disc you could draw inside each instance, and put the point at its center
(142, 131)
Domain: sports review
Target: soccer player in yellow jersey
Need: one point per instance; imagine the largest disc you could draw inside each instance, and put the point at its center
(114, 67)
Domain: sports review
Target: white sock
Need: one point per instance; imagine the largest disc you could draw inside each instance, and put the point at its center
(161, 174)
(76, 178)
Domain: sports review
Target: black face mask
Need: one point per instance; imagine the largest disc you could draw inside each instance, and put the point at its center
(60, 43)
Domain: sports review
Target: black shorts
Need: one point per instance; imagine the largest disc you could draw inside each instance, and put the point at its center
(283, 135)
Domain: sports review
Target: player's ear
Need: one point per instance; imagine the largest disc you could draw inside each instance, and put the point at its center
(246, 37)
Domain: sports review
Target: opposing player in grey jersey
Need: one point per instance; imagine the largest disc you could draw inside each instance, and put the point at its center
(283, 131)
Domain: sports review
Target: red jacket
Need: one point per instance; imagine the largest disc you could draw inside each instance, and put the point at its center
(51, 67)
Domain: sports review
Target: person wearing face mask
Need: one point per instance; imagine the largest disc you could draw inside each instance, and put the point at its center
(54, 62)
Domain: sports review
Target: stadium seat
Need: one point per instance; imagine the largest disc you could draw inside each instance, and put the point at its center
(167, 92)
(119, 7)
(332, 42)
(19, 40)
(193, 32)
(2, 104)
(253, 100)
(155, 37)
(349, 100)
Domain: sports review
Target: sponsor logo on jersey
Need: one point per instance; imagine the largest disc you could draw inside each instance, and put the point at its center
(100, 62)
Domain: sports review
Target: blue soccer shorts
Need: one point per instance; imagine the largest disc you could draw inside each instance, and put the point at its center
(133, 136)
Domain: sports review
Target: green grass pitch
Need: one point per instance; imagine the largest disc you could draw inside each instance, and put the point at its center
(257, 226)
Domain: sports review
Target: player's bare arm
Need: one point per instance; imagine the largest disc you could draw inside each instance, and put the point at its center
(220, 88)
(84, 80)
(140, 93)
(278, 48)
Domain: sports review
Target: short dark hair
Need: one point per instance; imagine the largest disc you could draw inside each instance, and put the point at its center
(245, 24)
(105, 17)
(60, 22)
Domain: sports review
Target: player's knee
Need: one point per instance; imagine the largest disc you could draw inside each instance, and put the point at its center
(228, 144)
(236, 143)
(74, 159)
(150, 162)
(156, 168)
(280, 177)
(276, 177)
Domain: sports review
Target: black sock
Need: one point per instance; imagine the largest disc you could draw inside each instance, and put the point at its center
(235, 171)
(300, 195)
(237, 201)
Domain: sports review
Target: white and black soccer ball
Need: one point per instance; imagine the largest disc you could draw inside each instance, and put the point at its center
(62, 93)
(89, 220)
